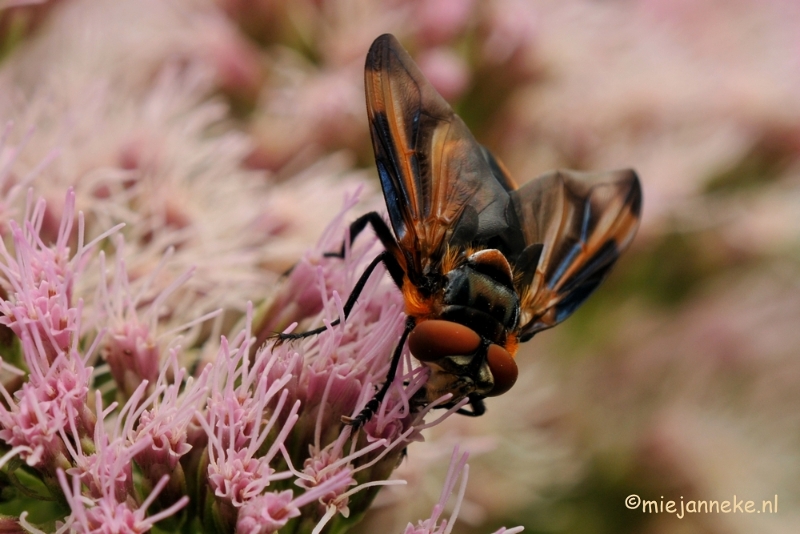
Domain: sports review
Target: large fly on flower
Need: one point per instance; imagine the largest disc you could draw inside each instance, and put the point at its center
(482, 263)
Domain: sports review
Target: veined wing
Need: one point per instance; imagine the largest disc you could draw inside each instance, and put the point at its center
(440, 186)
(579, 223)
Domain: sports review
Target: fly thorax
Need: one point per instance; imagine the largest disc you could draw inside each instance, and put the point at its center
(480, 294)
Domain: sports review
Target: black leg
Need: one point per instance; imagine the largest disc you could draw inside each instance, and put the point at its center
(477, 405)
(372, 406)
(351, 300)
(386, 238)
(357, 226)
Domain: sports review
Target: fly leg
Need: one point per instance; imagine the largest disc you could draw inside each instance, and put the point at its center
(372, 406)
(478, 407)
(384, 235)
(384, 258)
(388, 257)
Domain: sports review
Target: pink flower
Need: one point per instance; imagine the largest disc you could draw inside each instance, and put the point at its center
(49, 421)
(110, 504)
(246, 407)
(130, 346)
(105, 515)
(104, 464)
(458, 469)
(267, 513)
(39, 282)
(33, 428)
(159, 427)
(271, 511)
(132, 355)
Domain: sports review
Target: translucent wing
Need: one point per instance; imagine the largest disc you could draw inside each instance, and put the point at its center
(575, 225)
(441, 187)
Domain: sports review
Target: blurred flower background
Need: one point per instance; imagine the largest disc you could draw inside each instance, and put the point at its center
(227, 135)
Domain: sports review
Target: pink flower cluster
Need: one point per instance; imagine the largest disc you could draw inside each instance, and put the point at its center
(248, 442)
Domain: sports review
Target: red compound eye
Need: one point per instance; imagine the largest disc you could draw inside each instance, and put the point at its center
(503, 367)
(434, 339)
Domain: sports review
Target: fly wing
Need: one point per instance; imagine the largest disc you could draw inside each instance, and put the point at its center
(441, 188)
(577, 224)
